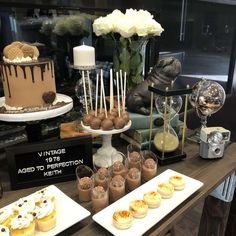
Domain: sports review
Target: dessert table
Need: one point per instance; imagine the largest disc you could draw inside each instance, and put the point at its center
(210, 172)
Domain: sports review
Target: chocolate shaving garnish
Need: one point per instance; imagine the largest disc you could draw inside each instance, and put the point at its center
(49, 97)
(3, 230)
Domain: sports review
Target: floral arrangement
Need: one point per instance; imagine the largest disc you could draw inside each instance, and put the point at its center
(130, 32)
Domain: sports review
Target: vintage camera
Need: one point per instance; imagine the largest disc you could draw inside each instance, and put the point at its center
(212, 143)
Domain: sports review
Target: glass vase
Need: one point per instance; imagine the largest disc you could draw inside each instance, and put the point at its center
(129, 56)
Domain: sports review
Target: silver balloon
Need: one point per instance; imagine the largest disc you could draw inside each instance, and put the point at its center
(207, 97)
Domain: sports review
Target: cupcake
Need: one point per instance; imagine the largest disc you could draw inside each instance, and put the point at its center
(43, 194)
(5, 216)
(4, 230)
(25, 204)
(22, 225)
(45, 215)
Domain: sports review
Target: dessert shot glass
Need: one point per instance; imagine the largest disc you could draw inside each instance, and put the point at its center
(102, 173)
(100, 197)
(116, 188)
(84, 176)
(133, 177)
(149, 165)
(134, 156)
(119, 164)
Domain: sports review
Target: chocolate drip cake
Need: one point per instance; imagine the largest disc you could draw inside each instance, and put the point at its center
(27, 81)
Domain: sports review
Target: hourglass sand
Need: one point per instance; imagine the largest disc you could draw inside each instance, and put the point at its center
(168, 103)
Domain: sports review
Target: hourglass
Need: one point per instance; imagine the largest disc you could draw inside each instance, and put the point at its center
(168, 102)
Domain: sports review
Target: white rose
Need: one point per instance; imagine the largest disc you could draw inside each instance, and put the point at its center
(102, 25)
(126, 27)
(145, 14)
(141, 28)
(131, 13)
(115, 16)
(155, 28)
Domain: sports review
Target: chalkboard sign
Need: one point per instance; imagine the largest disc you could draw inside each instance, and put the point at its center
(50, 162)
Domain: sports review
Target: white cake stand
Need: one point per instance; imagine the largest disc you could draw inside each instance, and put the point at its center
(106, 154)
(38, 115)
(32, 119)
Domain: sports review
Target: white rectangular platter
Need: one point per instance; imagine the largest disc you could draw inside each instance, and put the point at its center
(140, 226)
(68, 212)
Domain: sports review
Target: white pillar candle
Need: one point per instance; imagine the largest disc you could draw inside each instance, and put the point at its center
(84, 56)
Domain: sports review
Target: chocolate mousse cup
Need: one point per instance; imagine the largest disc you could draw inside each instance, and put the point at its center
(84, 176)
(100, 198)
(149, 165)
(116, 188)
(133, 178)
(119, 164)
(134, 156)
(102, 177)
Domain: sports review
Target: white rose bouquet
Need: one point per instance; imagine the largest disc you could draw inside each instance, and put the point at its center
(130, 32)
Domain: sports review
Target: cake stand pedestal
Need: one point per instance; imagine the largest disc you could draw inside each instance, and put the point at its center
(107, 154)
(32, 119)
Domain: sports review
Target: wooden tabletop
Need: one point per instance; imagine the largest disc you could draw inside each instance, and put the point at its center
(210, 172)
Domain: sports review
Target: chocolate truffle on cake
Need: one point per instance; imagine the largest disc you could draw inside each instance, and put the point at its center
(119, 123)
(95, 123)
(87, 118)
(107, 124)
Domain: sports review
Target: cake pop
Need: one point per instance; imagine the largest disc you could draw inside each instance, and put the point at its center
(119, 123)
(95, 123)
(87, 118)
(107, 124)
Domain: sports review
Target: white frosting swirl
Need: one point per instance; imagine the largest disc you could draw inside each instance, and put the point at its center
(19, 60)
(4, 231)
(9, 108)
(21, 221)
(4, 214)
(24, 205)
(43, 194)
(45, 209)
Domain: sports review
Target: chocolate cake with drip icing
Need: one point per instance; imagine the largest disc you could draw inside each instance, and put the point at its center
(27, 81)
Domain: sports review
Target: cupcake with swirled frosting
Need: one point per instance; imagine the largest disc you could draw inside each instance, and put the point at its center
(43, 194)
(22, 225)
(25, 204)
(45, 215)
(5, 216)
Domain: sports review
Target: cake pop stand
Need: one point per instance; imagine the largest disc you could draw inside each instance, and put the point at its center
(32, 119)
(107, 154)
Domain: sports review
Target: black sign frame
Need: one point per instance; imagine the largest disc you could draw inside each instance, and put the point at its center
(83, 144)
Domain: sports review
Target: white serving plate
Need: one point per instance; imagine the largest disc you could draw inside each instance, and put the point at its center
(140, 226)
(68, 212)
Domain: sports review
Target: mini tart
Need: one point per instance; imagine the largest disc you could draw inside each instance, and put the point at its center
(177, 181)
(122, 219)
(166, 190)
(5, 216)
(138, 208)
(153, 199)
